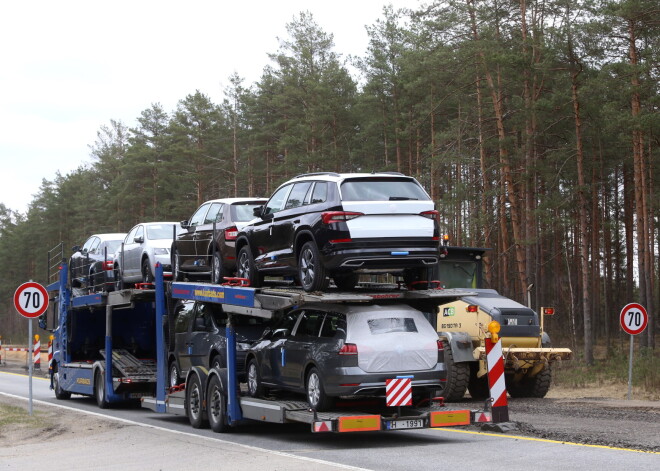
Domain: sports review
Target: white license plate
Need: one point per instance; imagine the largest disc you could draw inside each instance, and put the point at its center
(404, 424)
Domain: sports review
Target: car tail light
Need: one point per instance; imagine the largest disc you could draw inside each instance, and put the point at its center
(348, 349)
(330, 217)
(340, 241)
(440, 347)
(231, 233)
(433, 214)
(108, 265)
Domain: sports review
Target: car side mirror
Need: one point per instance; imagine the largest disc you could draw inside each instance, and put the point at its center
(257, 211)
(75, 248)
(138, 239)
(184, 224)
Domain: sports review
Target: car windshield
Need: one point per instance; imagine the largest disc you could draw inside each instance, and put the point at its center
(381, 189)
(392, 324)
(243, 212)
(160, 231)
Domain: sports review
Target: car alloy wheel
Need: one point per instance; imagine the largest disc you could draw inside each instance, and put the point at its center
(217, 275)
(310, 268)
(246, 268)
(147, 275)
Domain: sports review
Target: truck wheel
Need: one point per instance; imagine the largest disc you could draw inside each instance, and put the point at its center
(194, 399)
(59, 392)
(310, 268)
(255, 387)
(99, 390)
(478, 387)
(216, 406)
(316, 395)
(458, 376)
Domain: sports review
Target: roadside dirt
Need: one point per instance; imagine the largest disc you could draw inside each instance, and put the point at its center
(596, 415)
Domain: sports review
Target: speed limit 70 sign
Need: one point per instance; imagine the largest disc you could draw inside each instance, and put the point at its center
(31, 299)
(633, 318)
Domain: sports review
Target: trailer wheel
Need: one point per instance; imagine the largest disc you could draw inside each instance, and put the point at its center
(194, 399)
(316, 395)
(216, 406)
(59, 392)
(255, 386)
(458, 376)
(99, 390)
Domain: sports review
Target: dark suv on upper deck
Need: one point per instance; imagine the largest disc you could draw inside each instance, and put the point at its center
(324, 225)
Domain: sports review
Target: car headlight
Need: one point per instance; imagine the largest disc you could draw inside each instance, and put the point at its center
(242, 346)
(161, 251)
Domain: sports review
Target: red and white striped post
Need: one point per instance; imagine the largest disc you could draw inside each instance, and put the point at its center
(50, 353)
(496, 382)
(36, 352)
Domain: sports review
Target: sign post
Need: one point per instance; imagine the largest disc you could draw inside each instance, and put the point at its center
(633, 319)
(30, 300)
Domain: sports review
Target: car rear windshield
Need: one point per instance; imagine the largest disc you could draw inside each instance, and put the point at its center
(243, 212)
(392, 324)
(382, 189)
(160, 231)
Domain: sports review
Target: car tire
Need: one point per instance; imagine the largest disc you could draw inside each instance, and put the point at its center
(217, 363)
(216, 406)
(174, 376)
(147, 274)
(177, 275)
(246, 267)
(194, 402)
(119, 281)
(99, 390)
(57, 387)
(316, 396)
(254, 384)
(310, 268)
(346, 281)
(217, 269)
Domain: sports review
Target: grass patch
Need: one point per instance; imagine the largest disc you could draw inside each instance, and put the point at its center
(612, 368)
(13, 417)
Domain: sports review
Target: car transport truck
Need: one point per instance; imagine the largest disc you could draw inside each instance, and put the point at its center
(114, 346)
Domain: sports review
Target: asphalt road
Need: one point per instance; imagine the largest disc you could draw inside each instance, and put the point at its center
(292, 446)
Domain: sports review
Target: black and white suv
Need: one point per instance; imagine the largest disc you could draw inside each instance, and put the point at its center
(322, 225)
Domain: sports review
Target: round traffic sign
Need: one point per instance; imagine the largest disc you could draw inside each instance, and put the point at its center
(633, 318)
(31, 299)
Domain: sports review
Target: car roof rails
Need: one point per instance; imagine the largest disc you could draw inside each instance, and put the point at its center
(332, 174)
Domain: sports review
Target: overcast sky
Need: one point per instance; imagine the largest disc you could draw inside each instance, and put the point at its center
(69, 67)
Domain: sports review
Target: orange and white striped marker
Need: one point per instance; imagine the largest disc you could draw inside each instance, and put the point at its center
(496, 382)
(50, 353)
(398, 392)
(36, 352)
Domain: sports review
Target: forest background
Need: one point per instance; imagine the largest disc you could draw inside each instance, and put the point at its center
(533, 124)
